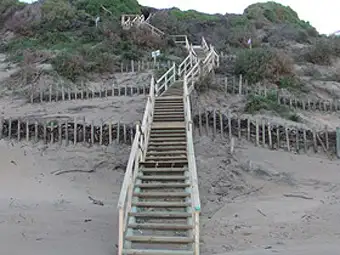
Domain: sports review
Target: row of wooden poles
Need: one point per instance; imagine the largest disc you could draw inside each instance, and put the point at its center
(232, 85)
(139, 66)
(219, 125)
(237, 86)
(58, 93)
(262, 132)
(69, 131)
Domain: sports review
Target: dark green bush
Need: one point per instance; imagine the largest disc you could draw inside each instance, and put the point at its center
(116, 7)
(256, 103)
(322, 51)
(259, 64)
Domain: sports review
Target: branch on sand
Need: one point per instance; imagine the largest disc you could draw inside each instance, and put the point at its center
(298, 196)
(59, 172)
(96, 202)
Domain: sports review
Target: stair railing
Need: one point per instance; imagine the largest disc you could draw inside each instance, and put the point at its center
(205, 45)
(181, 40)
(154, 30)
(193, 76)
(196, 204)
(165, 80)
(127, 21)
(137, 154)
(216, 56)
(186, 64)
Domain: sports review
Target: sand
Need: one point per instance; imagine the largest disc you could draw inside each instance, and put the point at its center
(123, 109)
(43, 213)
(245, 210)
(262, 202)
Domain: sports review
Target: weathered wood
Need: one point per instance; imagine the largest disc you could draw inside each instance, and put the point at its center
(287, 138)
(270, 136)
(257, 133)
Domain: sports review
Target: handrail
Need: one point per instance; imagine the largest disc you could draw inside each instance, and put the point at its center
(196, 204)
(128, 20)
(154, 30)
(204, 44)
(186, 64)
(138, 152)
(165, 80)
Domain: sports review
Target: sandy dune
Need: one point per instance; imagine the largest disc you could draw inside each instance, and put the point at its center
(279, 203)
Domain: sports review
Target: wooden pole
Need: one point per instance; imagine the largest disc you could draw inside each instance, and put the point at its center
(27, 130)
(287, 138)
(36, 131)
(270, 136)
(1, 127)
(75, 134)
(18, 130)
(257, 133)
(10, 128)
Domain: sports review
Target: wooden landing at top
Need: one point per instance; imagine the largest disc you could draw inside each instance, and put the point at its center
(179, 124)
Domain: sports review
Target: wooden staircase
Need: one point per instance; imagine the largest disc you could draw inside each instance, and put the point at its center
(161, 219)
(159, 202)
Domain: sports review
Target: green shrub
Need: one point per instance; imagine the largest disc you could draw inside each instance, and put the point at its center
(116, 7)
(70, 66)
(57, 15)
(277, 13)
(256, 103)
(192, 15)
(259, 64)
(323, 51)
(291, 83)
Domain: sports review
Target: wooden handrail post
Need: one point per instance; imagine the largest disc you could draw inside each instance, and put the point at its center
(120, 231)
(197, 232)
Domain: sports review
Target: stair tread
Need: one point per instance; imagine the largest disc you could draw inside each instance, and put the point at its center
(161, 204)
(161, 194)
(162, 177)
(163, 226)
(156, 252)
(164, 169)
(160, 239)
(167, 139)
(161, 214)
(167, 152)
(162, 143)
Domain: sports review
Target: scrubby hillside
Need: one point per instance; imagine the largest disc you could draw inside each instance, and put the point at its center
(63, 36)
(59, 38)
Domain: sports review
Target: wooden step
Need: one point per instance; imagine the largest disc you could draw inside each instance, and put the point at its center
(167, 148)
(168, 119)
(160, 226)
(168, 135)
(162, 177)
(177, 109)
(162, 204)
(164, 170)
(160, 113)
(167, 107)
(168, 131)
(161, 215)
(179, 163)
(168, 139)
(164, 153)
(161, 194)
(174, 185)
(165, 158)
(156, 252)
(158, 143)
(160, 239)
(162, 99)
